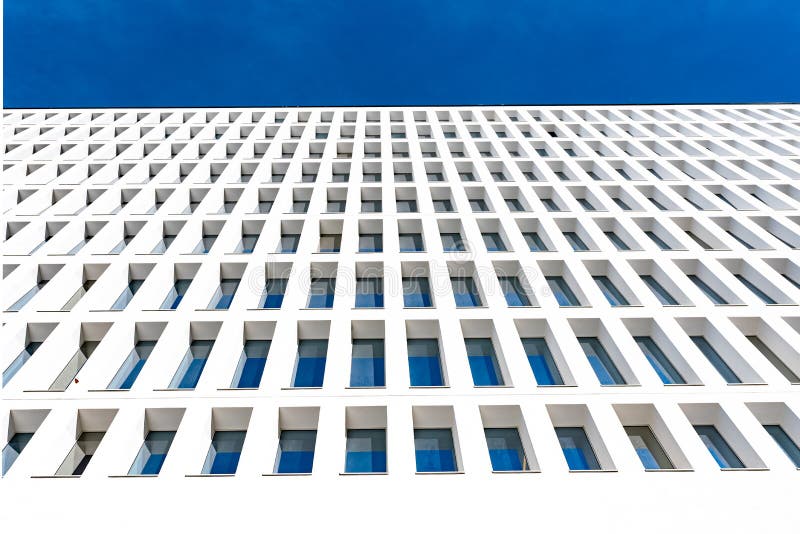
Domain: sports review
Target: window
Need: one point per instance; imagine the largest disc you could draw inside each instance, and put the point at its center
(493, 242)
(663, 245)
(153, 453)
(16, 444)
(321, 293)
(607, 373)
(452, 242)
(74, 365)
(224, 295)
(718, 447)
(716, 360)
(370, 243)
(411, 243)
(127, 294)
(442, 205)
(416, 292)
(296, 451)
(715, 297)
(550, 204)
(132, 365)
(535, 243)
(81, 454)
(561, 291)
(658, 290)
(191, 367)
(514, 204)
(513, 291)
(224, 452)
(542, 363)
(330, 242)
(366, 451)
(300, 206)
(575, 241)
(465, 292)
(478, 205)
(369, 292)
(647, 448)
(483, 362)
(367, 368)
(659, 361)
(773, 358)
(505, 449)
(288, 244)
(434, 450)
(251, 364)
(577, 449)
(309, 370)
(336, 206)
(757, 291)
(617, 241)
(785, 443)
(20, 360)
(406, 205)
(610, 291)
(176, 294)
(424, 364)
(371, 206)
(274, 289)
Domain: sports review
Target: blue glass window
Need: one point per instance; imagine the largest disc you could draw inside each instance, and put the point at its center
(535, 243)
(483, 362)
(493, 242)
(561, 291)
(309, 369)
(411, 243)
(424, 364)
(20, 360)
(127, 294)
(274, 289)
(224, 452)
(296, 451)
(289, 243)
(513, 291)
(223, 297)
(176, 294)
(659, 361)
(370, 243)
(715, 297)
(434, 450)
(369, 292)
(610, 291)
(205, 244)
(152, 453)
(647, 448)
(191, 367)
(248, 243)
(607, 373)
(416, 292)
(368, 365)
(716, 360)
(321, 293)
(14, 448)
(541, 361)
(366, 451)
(132, 365)
(785, 443)
(575, 241)
(659, 291)
(577, 449)
(757, 291)
(251, 364)
(453, 242)
(465, 292)
(718, 447)
(505, 449)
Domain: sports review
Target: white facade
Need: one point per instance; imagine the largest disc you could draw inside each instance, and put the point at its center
(703, 200)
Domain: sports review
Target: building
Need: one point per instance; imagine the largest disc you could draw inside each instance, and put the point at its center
(582, 318)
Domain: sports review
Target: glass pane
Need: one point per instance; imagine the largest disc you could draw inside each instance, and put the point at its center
(224, 452)
(648, 448)
(785, 442)
(296, 451)
(505, 449)
(411, 243)
(658, 290)
(465, 292)
(483, 362)
(366, 451)
(659, 361)
(310, 366)
(542, 363)
(610, 291)
(535, 242)
(14, 448)
(275, 288)
(493, 242)
(561, 291)
(512, 289)
(368, 364)
(577, 449)
(369, 293)
(19, 361)
(773, 358)
(715, 297)
(718, 447)
(416, 293)
(716, 360)
(321, 293)
(153, 453)
(424, 364)
(434, 450)
(607, 373)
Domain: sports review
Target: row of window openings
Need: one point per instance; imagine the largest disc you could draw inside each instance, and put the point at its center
(366, 450)
(425, 366)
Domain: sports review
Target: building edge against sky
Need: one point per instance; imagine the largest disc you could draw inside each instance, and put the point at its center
(574, 317)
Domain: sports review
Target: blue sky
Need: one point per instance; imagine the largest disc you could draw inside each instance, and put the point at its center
(85, 53)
